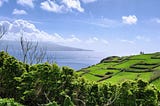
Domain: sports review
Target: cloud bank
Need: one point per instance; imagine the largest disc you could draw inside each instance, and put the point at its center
(20, 27)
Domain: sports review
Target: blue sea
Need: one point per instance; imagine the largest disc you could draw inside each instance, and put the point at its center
(73, 59)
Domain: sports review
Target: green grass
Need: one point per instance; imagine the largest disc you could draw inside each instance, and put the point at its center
(146, 76)
(102, 66)
(120, 77)
(80, 72)
(144, 66)
(136, 70)
(91, 77)
(126, 64)
(124, 70)
(156, 83)
(157, 68)
(103, 72)
(143, 56)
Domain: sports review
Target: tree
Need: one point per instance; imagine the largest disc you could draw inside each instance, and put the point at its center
(31, 52)
(9, 102)
(137, 93)
(10, 68)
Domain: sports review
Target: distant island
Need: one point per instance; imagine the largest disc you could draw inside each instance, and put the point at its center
(49, 46)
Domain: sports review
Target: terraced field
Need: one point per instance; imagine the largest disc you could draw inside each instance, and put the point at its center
(116, 69)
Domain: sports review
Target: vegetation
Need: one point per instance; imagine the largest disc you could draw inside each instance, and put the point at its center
(50, 85)
(9, 102)
(119, 69)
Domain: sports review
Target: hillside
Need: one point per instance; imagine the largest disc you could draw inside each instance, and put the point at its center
(116, 69)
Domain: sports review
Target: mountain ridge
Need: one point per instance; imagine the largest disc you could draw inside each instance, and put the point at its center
(49, 46)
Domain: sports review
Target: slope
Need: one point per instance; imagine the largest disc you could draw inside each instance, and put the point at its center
(116, 69)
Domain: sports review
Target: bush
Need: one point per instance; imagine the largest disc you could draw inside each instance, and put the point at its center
(51, 104)
(10, 68)
(9, 102)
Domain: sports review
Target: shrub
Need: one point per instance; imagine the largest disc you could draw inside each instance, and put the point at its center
(9, 102)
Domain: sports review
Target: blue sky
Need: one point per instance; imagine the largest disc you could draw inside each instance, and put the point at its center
(115, 26)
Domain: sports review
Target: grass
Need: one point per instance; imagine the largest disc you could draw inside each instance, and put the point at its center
(102, 65)
(152, 60)
(144, 66)
(103, 72)
(146, 76)
(157, 68)
(136, 70)
(91, 77)
(80, 72)
(120, 77)
(126, 64)
(156, 83)
(143, 56)
(125, 68)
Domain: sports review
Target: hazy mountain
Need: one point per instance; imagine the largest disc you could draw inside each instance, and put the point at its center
(49, 46)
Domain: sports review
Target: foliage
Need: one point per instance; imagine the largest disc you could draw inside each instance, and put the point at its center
(68, 102)
(137, 93)
(51, 104)
(50, 85)
(9, 102)
(45, 82)
(10, 68)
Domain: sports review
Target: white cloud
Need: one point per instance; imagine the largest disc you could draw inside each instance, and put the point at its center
(29, 31)
(102, 22)
(92, 40)
(19, 28)
(136, 40)
(131, 19)
(51, 6)
(2, 1)
(88, 1)
(19, 12)
(106, 23)
(143, 38)
(26, 3)
(105, 41)
(73, 39)
(62, 6)
(157, 20)
(96, 40)
(127, 41)
(75, 4)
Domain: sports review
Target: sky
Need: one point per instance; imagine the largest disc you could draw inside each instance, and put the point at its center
(115, 26)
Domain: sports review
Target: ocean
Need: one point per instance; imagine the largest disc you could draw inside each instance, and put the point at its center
(73, 59)
(78, 59)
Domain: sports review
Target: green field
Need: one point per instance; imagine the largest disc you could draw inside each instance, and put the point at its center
(116, 69)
